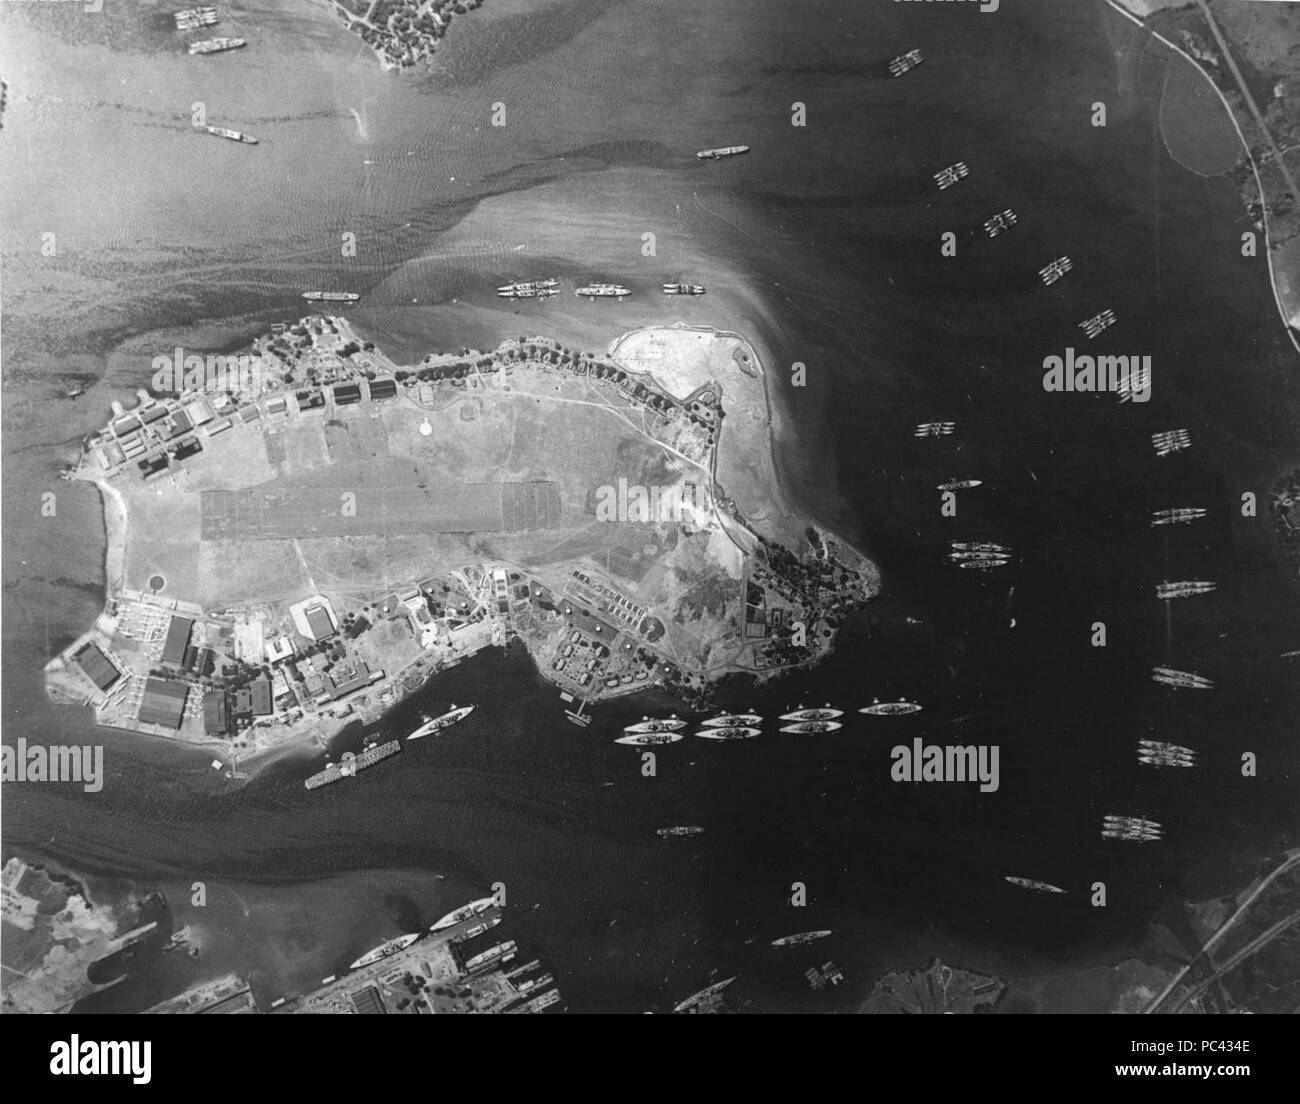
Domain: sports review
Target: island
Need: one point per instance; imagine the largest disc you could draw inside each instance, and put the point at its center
(300, 537)
(402, 33)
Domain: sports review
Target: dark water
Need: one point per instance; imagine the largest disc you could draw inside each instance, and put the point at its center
(828, 241)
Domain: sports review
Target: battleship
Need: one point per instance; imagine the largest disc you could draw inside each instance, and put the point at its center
(1098, 323)
(900, 708)
(729, 720)
(960, 484)
(650, 739)
(905, 63)
(1171, 440)
(602, 291)
(233, 135)
(978, 546)
(1054, 270)
(437, 724)
(1158, 753)
(703, 995)
(216, 45)
(547, 284)
(677, 830)
(193, 18)
(1033, 883)
(934, 429)
(723, 151)
(800, 938)
(367, 757)
(331, 296)
(825, 713)
(1182, 680)
(385, 949)
(729, 732)
(983, 563)
(683, 289)
(647, 724)
(1130, 828)
(1184, 588)
(811, 728)
(1000, 223)
(1180, 515)
(946, 178)
(463, 913)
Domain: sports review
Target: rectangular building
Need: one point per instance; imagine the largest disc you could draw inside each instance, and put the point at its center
(97, 667)
(216, 715)
(163, 702)
(178, 638)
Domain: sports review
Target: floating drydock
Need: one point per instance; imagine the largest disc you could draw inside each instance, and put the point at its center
(351, 764)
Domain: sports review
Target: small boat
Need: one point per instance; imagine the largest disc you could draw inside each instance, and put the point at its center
(649, 724)
(811, 727)
(650, 739)
(729, 732)
(800, 938)
(899, 708)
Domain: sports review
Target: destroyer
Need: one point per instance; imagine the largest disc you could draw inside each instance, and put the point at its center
(1098, 323)
(1182, 680)
(1031, 883)
(1181, 515)
(650, 739)
(683, 289)
(1158, 753)
(899, 708)
(385, 949)
(800, 938)
(547, 284)
(1000, 223)
(352, 764)
(723, 151)
(977, 546)
(729, 732)
(216, 45)
(905, 63)
(233, 135)
(825, 713)
(1184, 588)
(460, 915)
(437, 724)
(193, 18)
(1170, 441)
(934, 429)
(1138, 829)
(602, 291)
(331, 296)
(1054, 270)
(946, 178)
(960, 484)
(677, 830)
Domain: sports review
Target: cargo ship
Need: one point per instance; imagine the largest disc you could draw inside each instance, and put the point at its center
(800, 938)
(934, 429)
(650, 739)
(216, 45)
(367, 757)
(723, 151)
(825, 713)
(1033, 883)
(331, 296)
(730, 720)
(729, 732)
(960, 484)
(385, 949)
(900, 708)
(1179, 515)
(1054, 270)
(1185, 588)
(602, 291)
(233, 135)
(1181, 680)
(905, 63)
(703, 995)
(460, 915)
(946, 178)
(684, 289)
(436, 724)
(811, 727)
(647, 724)
(677, 830)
